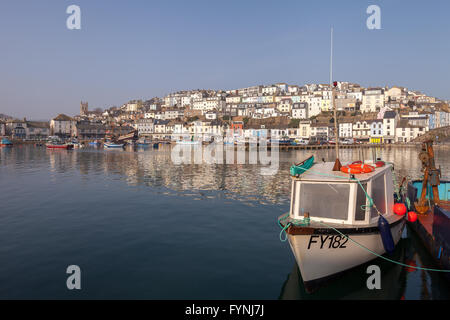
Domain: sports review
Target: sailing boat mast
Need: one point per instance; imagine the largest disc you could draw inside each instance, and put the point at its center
(337, 163)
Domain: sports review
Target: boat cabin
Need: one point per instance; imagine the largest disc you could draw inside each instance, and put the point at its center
(333, 197)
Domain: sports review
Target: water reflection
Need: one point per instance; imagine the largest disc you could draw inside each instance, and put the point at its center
(243, 182)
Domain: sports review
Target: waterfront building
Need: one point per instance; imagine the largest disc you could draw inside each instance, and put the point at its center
(304, 127)
(345, 127)
(17, 128)
(376, 131)
(62, 126)
(321, 130)
(2, 128)
(390, 119)
(405, 132)
(361, 130)
(145, 127)
(86, 130)
(37, 130)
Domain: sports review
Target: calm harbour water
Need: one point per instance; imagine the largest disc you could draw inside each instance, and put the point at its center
(142, 227)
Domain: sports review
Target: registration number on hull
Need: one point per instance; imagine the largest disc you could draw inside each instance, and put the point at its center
(327, 241)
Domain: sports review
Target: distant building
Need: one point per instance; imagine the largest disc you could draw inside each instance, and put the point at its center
(37, 130)
(372, 100)
(405, 132)
(63, 126)
(390, 119)
(376, 131)
(87, 130)
(145, 127)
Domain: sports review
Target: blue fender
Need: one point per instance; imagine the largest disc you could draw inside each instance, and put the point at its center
(386, 235)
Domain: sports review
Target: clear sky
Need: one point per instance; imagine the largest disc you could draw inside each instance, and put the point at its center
(140, 49)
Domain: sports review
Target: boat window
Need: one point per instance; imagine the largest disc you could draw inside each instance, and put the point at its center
(378, 196)
(325, 200)
(360, 213)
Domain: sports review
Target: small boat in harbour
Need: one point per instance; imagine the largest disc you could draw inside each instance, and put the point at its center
(5, 142)
(59, 145)
(338, 220)
(111, 145)
(94, 143)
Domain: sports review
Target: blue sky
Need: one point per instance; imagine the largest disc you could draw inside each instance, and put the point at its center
(141, 49)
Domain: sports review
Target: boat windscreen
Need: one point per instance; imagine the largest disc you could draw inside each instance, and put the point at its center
(325, 200)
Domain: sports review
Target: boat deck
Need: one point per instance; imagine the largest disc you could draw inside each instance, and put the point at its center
(427, 220)
(323, 171)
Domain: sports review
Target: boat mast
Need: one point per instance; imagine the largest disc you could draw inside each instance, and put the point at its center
(337, 163)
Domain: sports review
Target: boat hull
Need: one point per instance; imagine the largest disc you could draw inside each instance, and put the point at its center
(324, 255)
(113, 146)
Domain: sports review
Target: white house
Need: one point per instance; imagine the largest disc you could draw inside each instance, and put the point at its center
(63, 126)
(373, 100)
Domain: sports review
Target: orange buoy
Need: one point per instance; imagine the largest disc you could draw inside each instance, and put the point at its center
(412, 216)
(399, 209)
(347, 169)
(365, 168)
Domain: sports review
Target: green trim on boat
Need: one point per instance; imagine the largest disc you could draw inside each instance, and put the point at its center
(298, 169)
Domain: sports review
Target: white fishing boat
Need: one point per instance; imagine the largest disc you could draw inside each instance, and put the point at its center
(111, 145)
(338, 220)
(340, 216)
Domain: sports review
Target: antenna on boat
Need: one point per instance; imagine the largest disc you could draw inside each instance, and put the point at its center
(337, 164)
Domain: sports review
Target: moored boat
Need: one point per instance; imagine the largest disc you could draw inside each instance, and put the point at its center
(338, 221)
(111, 145)
(5, 142)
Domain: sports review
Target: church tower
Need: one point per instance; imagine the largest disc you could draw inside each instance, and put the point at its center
(83, 108)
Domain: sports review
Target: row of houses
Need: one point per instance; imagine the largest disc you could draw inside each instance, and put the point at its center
(63, 126)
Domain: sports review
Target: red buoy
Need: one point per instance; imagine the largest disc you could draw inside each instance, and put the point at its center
(400, 209)
(412, 216)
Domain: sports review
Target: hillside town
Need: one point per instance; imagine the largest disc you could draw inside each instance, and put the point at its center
(379, 115)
